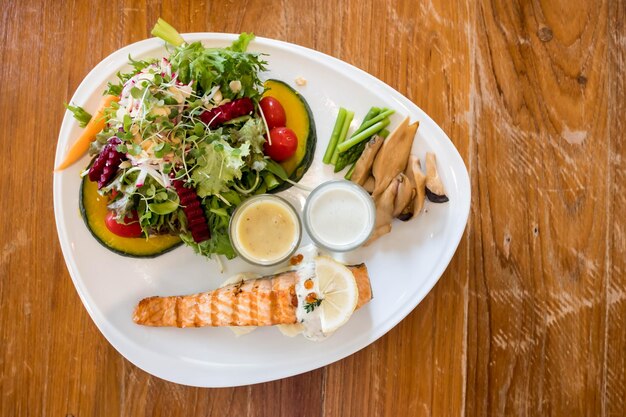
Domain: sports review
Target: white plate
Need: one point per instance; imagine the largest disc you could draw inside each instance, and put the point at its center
(404, 265)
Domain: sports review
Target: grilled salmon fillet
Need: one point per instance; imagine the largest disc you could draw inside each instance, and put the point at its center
(264, 301)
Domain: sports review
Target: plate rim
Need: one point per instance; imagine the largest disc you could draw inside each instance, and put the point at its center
(112, 334)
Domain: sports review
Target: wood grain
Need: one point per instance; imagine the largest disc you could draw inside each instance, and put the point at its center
(530, 316)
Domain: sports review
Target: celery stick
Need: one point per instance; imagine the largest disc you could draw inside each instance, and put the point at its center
(165, 31)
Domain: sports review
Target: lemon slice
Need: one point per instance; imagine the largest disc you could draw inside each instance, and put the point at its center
(338, 291)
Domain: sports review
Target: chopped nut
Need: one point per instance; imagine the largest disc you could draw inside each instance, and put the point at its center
(235, 86)
(217, 97)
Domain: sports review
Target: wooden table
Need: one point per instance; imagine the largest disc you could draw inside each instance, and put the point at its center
(529, 318)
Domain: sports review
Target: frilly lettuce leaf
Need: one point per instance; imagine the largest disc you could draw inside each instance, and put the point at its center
(218, 166)
(218, 244)
(241, 44)
(252, 132)
(207, 67)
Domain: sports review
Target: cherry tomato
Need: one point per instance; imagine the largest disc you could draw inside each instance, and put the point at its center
(130, 229)
(274, 112)
(284, 144)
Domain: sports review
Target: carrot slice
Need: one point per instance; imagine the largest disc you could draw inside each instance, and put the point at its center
(95, 125)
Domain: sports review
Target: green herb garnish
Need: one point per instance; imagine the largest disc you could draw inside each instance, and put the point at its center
(309, 307)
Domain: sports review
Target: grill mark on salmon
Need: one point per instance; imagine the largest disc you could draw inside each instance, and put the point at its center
(235, 308)
(248, 297)
(262, 300)
(213, 310)
(254, 307)
(224, 309)
(179, 314)
(266, 301)
(273, 304)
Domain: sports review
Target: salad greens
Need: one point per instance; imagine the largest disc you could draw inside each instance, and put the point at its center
(163, 139)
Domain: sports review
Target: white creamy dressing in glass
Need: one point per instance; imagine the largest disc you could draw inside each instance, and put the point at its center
(339, 217)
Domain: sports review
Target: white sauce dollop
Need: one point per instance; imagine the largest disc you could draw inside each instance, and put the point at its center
(311, 321)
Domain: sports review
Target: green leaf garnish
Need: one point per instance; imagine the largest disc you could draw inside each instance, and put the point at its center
(161, 149)
(309, 307)
(276, 169)
(166, 207)
(80, 114)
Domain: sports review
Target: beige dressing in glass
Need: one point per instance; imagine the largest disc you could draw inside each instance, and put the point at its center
(266, 231)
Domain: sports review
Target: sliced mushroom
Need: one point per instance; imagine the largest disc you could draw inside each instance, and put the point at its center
(369, 184)
(417, 179)
(384, 211)
(434, 187)
(414, 172)
(363, 166)
(393, 155)
(408, 211)
(382, 169)
(404, 197)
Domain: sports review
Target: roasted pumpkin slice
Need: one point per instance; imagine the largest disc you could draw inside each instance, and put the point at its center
(300, 120)
(93, 208)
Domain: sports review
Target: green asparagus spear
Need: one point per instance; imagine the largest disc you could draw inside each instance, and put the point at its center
(343, 135)
(350, 171)
(341, 116)
(373, 129)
